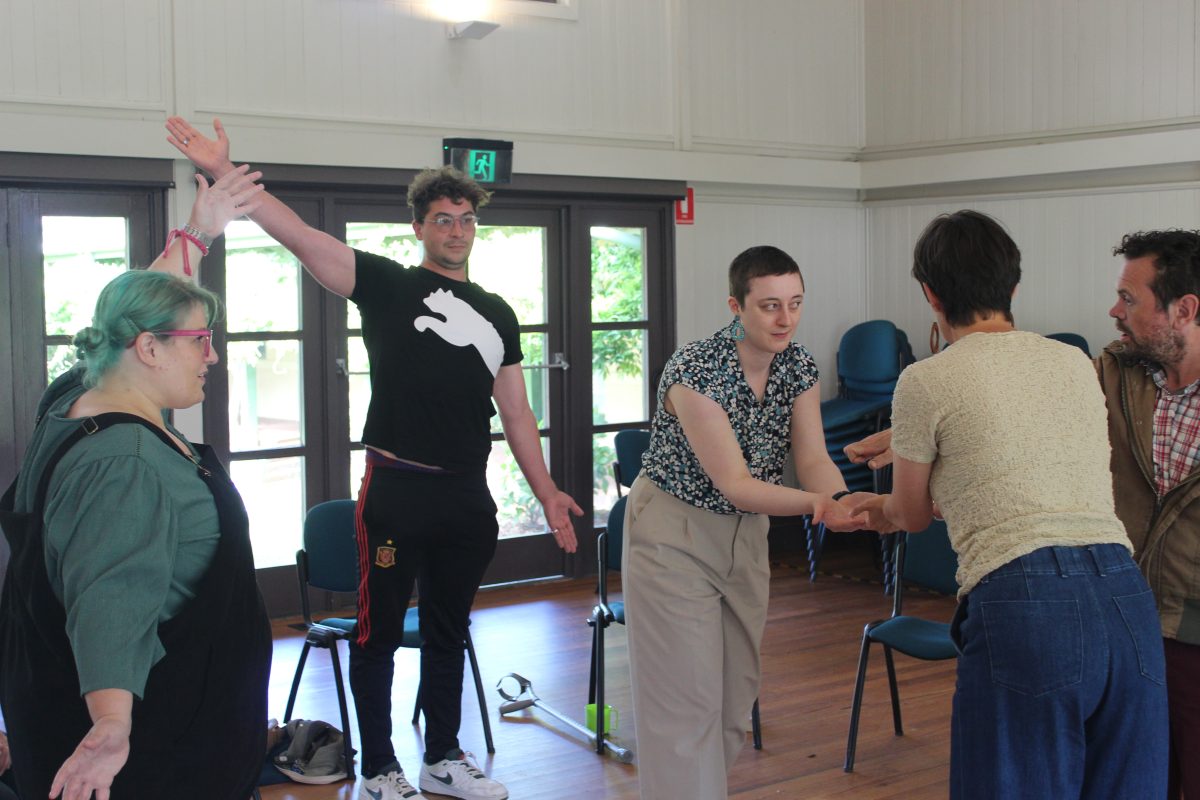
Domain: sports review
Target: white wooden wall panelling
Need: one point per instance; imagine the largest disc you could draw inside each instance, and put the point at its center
(826, 241)
(609, 76)
(979, 71)
(780, 74)
(1066, 241)
(105, 53)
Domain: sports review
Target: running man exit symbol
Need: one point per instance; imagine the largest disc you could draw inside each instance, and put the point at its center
(482, 164)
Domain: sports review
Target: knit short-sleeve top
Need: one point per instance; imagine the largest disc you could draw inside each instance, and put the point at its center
(712, 368)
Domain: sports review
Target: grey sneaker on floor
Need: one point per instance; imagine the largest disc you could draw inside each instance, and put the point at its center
(460, 777)
(391, 785)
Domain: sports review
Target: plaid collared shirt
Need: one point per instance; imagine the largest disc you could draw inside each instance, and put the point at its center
(1176, 431)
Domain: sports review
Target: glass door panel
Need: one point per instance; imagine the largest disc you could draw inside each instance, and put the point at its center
(604, 485)
(273, 491)
(619, 376)
(518, 511)
(265, 395)
(511, 261)
(58, 248)
(262, 282)
(620, 348)
(264, 365)
(79, 256)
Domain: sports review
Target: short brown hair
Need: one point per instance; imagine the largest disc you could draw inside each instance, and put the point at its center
(437, 182)
(971, 264)
(755, 262)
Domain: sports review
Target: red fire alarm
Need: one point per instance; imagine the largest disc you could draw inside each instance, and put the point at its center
(685, 210)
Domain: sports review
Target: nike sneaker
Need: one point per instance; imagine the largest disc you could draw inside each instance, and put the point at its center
(458, 775)
(390, 785)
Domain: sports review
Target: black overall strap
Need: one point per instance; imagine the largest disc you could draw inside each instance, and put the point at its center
(89, 426)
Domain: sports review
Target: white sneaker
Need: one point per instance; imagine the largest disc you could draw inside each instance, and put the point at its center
(460, 777)
(389, 786)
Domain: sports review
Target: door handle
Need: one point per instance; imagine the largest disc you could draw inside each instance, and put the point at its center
(340, 367)
(556, 362)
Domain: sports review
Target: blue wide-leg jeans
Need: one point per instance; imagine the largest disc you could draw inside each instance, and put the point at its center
(1061, 690)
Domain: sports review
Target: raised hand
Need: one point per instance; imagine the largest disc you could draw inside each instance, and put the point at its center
(235, 195)
(210, 155)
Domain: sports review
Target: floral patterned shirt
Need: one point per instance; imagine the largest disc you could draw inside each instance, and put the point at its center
(712, 368)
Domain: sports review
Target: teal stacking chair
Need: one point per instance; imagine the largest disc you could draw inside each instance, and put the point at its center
(924, 559)
(1071, 338)
(630, 446)
(870, 358)
(329, 561)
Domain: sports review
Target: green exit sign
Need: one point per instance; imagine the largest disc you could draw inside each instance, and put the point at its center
(481, 165)
(484, 160)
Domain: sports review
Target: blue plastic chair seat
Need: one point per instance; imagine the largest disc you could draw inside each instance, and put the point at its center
(841, 411)
(618, 609)
(919, 638)
(412, 627)
(343, 624)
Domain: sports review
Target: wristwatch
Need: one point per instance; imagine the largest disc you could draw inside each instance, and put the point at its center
(201, 236)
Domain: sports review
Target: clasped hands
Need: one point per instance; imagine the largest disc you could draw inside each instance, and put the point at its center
(852, 512)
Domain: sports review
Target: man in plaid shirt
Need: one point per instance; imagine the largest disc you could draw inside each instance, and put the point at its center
(1151, 380)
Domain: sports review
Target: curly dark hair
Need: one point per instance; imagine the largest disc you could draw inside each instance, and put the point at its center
(435, 183)
(971, 264)
(1176, 259)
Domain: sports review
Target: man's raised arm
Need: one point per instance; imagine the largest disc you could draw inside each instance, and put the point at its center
(327, 259)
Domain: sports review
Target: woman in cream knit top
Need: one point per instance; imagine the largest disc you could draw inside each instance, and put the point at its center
(1060, 685)
(1000, 447)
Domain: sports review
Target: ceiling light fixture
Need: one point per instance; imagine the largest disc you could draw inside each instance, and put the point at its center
(470, 29)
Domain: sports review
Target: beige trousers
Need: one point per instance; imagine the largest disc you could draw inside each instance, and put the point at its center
(695, 588)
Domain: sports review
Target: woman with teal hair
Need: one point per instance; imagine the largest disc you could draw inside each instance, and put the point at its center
(134, 647)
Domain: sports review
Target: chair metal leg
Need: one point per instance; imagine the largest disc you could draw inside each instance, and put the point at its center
(756, 725)
(856, 702)
(341, 696)
(483, 709)
(814, 537)
(469, 646)
(891, 670)
(291, 703)
(598, 668)
(886, 543)
(594, 622)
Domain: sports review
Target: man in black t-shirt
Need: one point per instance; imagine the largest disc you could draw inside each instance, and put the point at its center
(441, 350)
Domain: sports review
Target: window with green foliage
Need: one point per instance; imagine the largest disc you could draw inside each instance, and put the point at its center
(620, 333)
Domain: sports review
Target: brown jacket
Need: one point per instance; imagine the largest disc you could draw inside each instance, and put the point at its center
(1166, 538)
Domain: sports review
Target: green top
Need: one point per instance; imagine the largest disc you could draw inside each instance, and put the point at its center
(130, 528)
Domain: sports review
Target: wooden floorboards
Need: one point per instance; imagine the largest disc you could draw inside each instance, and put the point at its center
(810, 654)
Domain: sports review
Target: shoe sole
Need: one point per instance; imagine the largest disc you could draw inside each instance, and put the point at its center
(441, 791)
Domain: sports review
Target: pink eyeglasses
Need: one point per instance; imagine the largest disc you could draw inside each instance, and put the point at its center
(206, 334)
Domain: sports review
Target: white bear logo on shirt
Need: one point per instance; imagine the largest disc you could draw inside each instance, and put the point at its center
(463, 326)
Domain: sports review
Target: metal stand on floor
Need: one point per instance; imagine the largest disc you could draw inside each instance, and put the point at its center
(519, 694)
